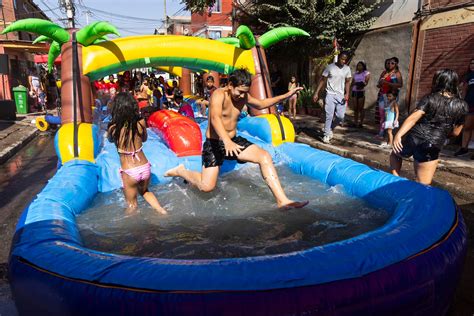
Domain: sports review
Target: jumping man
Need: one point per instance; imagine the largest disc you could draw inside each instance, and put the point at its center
(222, 142)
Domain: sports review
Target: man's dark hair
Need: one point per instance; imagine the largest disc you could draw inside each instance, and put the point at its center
(240, 77)
(344, 52)
(210, 78)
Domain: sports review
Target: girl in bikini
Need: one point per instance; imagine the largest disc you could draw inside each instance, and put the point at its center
(127, 130)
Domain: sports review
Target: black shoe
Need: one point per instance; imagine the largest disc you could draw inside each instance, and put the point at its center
(472, 157)
(461, 151)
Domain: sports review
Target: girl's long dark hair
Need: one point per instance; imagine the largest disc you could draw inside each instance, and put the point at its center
(446, 80)
(125, 115)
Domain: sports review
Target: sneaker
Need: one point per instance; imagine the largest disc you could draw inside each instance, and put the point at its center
(330, 135)
(326, 139)
(384, 145)
(461, 151)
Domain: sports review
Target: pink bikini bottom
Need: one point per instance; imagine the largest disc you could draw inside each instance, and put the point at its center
(140, 173)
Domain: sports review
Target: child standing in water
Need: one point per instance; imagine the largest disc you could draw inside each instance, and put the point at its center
(391, 117)
(127, 130)
(292, 101)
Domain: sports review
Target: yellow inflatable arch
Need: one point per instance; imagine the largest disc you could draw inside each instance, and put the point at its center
(167, 50)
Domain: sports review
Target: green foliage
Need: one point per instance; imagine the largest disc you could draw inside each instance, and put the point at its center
(323, 19)
(198, 6)
(305, 98)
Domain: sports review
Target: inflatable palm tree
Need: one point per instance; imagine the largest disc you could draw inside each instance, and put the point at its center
(62, 43)
(246, 40)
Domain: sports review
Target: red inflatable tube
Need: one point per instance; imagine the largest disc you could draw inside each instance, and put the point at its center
(181, 134)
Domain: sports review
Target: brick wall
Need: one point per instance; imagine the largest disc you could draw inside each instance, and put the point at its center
(198, 21)
(9, 14)
(446, 47)
(435, 4)
(24, 9)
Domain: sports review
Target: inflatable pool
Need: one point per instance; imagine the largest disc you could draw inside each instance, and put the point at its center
(409, 265)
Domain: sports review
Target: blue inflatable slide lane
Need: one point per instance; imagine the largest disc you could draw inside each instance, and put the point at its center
(409, 266)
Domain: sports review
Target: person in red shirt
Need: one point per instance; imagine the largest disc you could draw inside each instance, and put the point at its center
(100, 85)
(112, 83)
(183, 108)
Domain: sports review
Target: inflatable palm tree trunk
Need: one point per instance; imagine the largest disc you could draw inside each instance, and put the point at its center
(261, 83)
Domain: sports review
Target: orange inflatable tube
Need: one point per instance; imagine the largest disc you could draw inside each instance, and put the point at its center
(181, 134)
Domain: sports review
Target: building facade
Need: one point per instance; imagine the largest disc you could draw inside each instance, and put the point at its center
(445, 39)
(16, 48)
(179, 25)
(426, 36)
(215, 23)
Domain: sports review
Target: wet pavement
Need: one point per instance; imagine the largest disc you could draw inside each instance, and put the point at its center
(22, 177)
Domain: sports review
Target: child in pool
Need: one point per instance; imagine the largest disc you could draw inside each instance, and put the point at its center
(127, 130)
(391, 117)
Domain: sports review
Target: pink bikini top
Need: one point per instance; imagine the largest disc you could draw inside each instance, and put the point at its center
(132, 153)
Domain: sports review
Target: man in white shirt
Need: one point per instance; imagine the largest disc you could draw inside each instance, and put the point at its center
(337, 78)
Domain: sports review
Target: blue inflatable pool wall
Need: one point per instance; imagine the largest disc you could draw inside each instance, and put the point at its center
(411, 265)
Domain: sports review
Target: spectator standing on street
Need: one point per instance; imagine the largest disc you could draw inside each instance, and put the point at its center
(437, 116)
(468, 131)
(390, 79)
(391, 118)
(292, 100)
(337, 79)
(360, 80)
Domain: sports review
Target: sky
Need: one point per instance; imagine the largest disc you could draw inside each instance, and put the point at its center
(132, 17)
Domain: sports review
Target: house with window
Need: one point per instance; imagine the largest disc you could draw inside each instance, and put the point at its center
(16, 49)
(215, 23)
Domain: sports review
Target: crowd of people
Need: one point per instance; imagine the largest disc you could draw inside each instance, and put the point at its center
(42, 89)
(152, 93)
(441, 114)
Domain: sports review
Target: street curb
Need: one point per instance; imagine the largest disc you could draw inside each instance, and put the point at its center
(8, 152)
(304, 139)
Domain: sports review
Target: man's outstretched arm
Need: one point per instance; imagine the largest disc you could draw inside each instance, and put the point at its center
(265, 103)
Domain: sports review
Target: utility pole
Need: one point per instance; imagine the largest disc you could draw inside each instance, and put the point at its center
(166, 17)
(69, 4)
(88, 13)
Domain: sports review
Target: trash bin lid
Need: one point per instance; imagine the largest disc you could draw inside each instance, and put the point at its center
(20, 88)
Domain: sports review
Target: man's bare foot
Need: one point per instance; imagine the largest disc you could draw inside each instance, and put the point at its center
(174, 172)
(295, 204)
(161, 210)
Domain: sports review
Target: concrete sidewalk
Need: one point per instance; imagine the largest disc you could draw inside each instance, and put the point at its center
(310, 126)
(14, 135)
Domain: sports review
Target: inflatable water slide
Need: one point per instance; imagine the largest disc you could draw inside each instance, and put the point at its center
(410, 265)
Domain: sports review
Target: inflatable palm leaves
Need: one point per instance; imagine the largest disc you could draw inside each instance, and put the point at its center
(246, 40)
(50, 32)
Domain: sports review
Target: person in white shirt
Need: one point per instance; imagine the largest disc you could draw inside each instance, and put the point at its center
(337, 78)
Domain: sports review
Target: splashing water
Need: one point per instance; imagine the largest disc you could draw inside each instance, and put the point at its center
(238, 219)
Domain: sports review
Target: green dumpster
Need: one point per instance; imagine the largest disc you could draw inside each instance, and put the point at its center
(20, 94)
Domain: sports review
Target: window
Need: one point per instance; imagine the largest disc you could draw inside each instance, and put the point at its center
(215, 34)
(217, 7)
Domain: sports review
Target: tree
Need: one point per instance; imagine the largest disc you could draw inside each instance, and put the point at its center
(198, 5)
(324, 20)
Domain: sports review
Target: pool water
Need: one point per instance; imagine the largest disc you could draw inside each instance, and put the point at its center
(239, 219)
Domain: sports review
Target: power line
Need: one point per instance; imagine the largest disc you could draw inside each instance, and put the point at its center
(119, 15)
